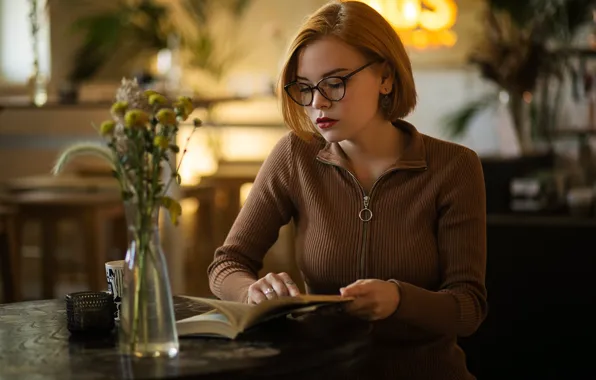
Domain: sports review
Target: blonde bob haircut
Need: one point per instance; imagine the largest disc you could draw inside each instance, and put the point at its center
(363, 28)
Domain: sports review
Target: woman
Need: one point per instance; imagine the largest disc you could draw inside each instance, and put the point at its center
(383, 213)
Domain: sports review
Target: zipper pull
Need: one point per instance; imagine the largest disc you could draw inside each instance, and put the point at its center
(365, 214)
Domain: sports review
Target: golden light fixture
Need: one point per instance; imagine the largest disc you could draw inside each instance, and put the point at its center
(420, 23)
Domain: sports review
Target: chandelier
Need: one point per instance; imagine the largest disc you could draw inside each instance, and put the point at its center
(420, 23)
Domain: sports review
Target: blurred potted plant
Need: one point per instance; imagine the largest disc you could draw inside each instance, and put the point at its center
(139, 27)
(135, 27)
(204, 49)
(524, 52)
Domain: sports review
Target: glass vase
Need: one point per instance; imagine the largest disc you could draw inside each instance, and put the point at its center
(147, 322)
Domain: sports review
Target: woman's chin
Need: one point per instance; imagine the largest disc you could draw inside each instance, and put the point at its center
(332, 136)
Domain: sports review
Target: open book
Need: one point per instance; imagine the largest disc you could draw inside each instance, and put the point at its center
(228, 319)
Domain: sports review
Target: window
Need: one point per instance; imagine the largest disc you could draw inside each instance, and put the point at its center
(16, 41)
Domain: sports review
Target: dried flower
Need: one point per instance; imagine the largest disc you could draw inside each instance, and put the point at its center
(119, 108)
(166, 116)
(136, 118)
(130, 92)
(139, 117)
(107, 127)
(183, 107)
(157, 99)
(161, 142)
(186, 102)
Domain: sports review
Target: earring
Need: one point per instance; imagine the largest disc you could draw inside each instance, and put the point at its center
(385, 101)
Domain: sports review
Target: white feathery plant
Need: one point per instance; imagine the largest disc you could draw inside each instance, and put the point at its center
(83, 149)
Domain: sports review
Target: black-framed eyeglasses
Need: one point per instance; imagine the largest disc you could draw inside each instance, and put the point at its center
(333, 88)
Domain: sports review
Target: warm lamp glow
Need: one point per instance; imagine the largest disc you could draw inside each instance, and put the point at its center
(410, 9)
(189, 206)
(164, 62)
(442, 16)
(199, 160)
(208, 145)
(420, 23)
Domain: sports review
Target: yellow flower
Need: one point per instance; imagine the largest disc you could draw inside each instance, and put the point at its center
(119, 108)
(107, 127)
(173, 208)
(161, 142)
(157, 99)
(148, 93)
(184, 106)
(136, 118)
(166, 116)
(187, 103)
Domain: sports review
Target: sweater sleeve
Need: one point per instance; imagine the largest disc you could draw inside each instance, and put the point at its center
(459, 306)
(267, 208)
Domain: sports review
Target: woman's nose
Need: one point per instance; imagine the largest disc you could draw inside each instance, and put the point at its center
(319, 101)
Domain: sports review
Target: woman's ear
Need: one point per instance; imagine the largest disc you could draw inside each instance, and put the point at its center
(387, 79)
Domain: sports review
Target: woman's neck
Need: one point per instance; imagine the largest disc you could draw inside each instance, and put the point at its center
(378, 143)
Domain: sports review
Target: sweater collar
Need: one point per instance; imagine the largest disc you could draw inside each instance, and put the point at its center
(413, 157)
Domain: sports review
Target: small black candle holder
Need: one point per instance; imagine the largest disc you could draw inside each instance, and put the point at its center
(90, 312)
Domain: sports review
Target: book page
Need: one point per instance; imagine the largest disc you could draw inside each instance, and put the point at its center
(234, 311)
(284, 305)
(209, 324)
(242, 316)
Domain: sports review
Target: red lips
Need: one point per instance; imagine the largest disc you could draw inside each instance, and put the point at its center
(325, 122)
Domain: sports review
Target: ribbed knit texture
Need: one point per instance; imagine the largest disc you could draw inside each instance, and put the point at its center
(428, 232)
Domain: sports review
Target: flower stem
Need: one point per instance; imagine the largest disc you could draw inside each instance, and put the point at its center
(176, 168)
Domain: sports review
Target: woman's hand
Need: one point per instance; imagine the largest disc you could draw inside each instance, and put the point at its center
(272, 286)
(373, 299)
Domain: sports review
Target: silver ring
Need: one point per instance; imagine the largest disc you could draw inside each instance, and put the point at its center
(268, 291)
(290, 283)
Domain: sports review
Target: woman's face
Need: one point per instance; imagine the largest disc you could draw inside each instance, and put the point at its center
(359, 108)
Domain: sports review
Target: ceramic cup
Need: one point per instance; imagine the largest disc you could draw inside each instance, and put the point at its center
(115, 277)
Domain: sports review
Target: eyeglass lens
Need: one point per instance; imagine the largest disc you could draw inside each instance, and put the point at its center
(332, 88)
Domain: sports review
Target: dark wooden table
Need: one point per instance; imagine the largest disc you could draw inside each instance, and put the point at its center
(36, 345)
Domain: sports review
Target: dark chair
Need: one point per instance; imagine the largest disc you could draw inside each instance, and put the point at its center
(9, 253)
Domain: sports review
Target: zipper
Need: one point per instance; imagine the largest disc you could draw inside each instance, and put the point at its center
(365, 214)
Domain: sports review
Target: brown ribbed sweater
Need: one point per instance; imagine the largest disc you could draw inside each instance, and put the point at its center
(427, 231)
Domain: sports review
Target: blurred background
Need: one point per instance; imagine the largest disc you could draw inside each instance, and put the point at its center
(512, 80)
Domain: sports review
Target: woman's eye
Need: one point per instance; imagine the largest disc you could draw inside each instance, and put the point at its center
(333, 83)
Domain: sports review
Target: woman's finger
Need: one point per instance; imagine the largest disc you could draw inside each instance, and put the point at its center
(256, 296)
(268, 290)
(357, 311)
(277, 284)
(357, 289)
(290, 284)
(362, 307)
